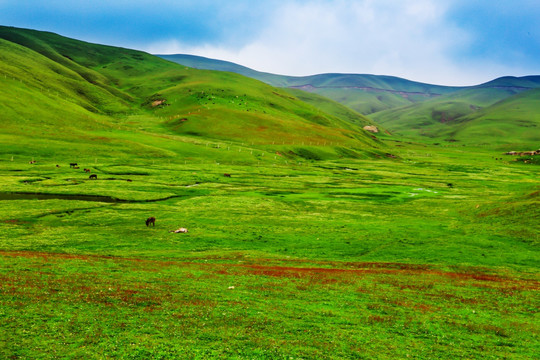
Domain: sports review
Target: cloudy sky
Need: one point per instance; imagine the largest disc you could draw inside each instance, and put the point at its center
(450, 42)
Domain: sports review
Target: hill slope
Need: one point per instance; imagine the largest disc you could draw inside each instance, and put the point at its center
(365, 94)
(513, 122)
(370, 94)
(64, 91)
(446, 117)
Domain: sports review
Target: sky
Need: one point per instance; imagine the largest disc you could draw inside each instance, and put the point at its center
(446, 42)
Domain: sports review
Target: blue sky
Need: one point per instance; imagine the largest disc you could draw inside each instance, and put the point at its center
(451, 42)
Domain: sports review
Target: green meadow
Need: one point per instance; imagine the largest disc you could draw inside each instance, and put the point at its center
(325, 242)
(426, 257)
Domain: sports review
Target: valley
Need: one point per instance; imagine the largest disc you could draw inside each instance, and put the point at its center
(307, 236)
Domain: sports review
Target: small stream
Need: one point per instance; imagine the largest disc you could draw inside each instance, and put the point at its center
(96, 198)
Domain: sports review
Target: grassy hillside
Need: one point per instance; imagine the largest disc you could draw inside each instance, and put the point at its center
(365, 94)
(135, 99)
(502, 115)
(512, 123)
(372, 94)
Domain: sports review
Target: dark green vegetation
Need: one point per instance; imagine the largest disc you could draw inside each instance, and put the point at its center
(323, 243)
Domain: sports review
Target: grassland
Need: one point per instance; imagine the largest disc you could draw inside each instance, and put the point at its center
(499, 117)
(324, 243)
(431, 256)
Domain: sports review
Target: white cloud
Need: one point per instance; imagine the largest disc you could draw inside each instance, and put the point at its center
(411, 39)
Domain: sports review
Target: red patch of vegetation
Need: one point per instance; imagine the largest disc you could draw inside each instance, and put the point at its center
(480, 277)
(426, 308)
(534, 194)
(387, 265)
(345, 273)
(15, 221)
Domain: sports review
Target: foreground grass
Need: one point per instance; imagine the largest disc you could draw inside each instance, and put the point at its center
(58, 305)
(426, 256)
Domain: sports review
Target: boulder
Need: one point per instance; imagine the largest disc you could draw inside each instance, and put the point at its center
(371, 128)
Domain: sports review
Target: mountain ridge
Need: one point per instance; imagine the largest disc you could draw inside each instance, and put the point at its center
(364, 93)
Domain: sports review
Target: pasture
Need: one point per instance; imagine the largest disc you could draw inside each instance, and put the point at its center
(432, 254)
(321, 242)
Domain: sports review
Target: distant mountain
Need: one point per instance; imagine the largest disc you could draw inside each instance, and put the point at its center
(365, 94)
(203, 63)
(61, 96)
(516, 84)
(416, 109)
(369, 94)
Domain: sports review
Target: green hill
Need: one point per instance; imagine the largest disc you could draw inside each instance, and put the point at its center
(204, 63)
(486, 108)
(66, 93)
(373, 94)
(513, 123)
(322, 102)
(365, 94)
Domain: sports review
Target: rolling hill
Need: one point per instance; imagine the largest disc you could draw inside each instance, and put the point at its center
(65, 94)
(412, 109)
(495, 113)
(513, 123)
(365, 94)
(406, 107)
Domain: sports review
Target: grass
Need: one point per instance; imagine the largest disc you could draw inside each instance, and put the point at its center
(328, 260)
(495, 117)
(237, 308)
(323, 243)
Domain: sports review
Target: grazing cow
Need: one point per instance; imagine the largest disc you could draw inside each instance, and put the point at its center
(151, 220)
(32, 162)
(72, 164)
(227, 175)
(86, 170)
(93, 177)
(57, 165)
